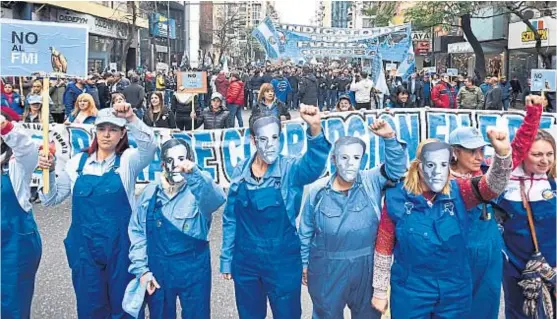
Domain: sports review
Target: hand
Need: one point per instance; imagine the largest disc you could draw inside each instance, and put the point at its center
(310, 114)
(282, 118)
(46, 162)
(227, 276)
(382, 128)
(500, 142)
(152, 284)
(3, 121)
(187, 166)
(533, 100)
(22, 97)
(193, 115)
(123, 110)
(379, 304)
(305, 277)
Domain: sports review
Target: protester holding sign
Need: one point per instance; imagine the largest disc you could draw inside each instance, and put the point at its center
(21, 243)
(102, 181)
(339, 224)
(169, 235)
(261, 249)
(484, 238)
(423, 226)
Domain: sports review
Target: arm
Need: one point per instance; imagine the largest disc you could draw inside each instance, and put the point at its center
(137, 232)
(284, 112)
(141, 96)
(435, 96)
(67, 101)
(383, 256)
(353, 86)
(25, 152)
(459, 97)
(480, 97)
(209, 195)
(229, 226)
(307, 229)
(394, 167)
(526, 133)
(171, 120)
(173, 104)
(60, 186)
(309, 167)
(141, 156)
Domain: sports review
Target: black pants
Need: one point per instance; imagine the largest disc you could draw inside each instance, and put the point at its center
(58, 117)
(183, 122)
(366, 105)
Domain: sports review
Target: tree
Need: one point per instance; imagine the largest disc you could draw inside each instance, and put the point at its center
(520, 10)
(227, 26)
(382, 12)
(129, 23)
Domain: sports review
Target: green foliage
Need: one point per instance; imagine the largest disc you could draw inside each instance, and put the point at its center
(427, 14)
(383, 11)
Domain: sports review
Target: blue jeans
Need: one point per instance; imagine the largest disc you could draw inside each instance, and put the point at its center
(254, 95)
(292, 100)
(321, 99)
(506, 104)
(235, 112)
(332, 97)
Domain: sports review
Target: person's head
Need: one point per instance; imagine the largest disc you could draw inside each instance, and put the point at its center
(494, 80)
(8, 88)
(468, 82)
(265, 134)
(266, 93)
(446, 78)
(6, 152)
(134, 79)
(436, 77)
(541, 155)
(468, 147)
(363, 74)
(503, 79)
(429, 171)
(234, 76)
(85, 103)
(35, 104)
(118, 98)
(426, 78)
(216, 101)
(347, 157)
(344, 104)
(37, 87)
(413, 76)
(346, 72)
(111, 135)
(402, 94)
(92, 80)
(156, 99)
(173, 153)
(529, 81)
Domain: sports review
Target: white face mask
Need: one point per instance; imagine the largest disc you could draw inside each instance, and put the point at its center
(174, 156)
(267, 141)
(435, 169)
(347, 161)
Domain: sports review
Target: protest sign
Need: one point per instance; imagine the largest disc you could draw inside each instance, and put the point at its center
(193, 82)
(43, 47)
(452, 72)
(543, 80)
(219, 151)
(430, 70)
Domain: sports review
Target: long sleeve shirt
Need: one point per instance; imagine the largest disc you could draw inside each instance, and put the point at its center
(294, 174)
(362, 90)
(132, 161)
(190, 209)
(373, 182)
(22, 163)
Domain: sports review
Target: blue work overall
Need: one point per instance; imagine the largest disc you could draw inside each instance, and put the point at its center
(97, 244)
(21, 254)
(430, 277)
(519, 246)
(266, 261)
(340, 269)
(485, 246)
(181, 265)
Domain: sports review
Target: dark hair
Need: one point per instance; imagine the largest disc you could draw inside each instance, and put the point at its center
(363, 74)
(401, 90)
(135, 79)
(175, 142)
(122, 145)
(114, 95)
(149, 113)
(260, 114)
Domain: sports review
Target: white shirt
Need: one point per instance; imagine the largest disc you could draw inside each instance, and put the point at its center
(132, 161)
(362, 90)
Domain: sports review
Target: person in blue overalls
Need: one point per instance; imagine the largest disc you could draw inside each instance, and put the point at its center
(339, 223)
(21, 243)
(535, 181)
(261, 249)
(102, 183)
(425, 219)
(168, 232)
(484, 239)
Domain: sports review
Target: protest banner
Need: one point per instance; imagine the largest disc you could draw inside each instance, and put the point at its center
(452, 72)
(193, 82)
(219, 151)
(30, 47)
(543, 80)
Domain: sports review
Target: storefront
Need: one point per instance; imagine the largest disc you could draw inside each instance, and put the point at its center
(462, 57)
(106, 38)
(522, 53)
(421, 41)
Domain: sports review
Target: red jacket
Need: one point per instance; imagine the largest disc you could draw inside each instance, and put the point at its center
(235, 93)
(444, 96)
(221, 84)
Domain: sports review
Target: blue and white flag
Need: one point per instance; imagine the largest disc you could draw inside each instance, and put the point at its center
(267, 36)
(408, 65)
(379, 74)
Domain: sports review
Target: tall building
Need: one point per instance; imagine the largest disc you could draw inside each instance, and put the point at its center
(323, 14)
(343, 14)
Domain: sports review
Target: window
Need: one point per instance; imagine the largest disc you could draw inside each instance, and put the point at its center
(256, 13)
(367, 22)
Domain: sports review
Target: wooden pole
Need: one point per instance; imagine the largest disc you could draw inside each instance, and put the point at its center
(193, 110)
(21, 95)
(45, 111)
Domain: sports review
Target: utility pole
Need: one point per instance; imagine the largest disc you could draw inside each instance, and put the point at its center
(168, 31)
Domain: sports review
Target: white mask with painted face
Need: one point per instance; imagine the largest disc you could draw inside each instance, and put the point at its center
(347, 161)
(434, 167)
(267, 140)
(173, 157)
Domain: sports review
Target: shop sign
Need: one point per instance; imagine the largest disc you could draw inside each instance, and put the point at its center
(459, 47)
(421, 36)
(422, 47)
(161, 26)
(96, 25)
(521, 36)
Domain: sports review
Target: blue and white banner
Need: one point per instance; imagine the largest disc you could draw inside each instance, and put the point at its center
(43, 47)
(219, 151)
(408, 65)
(266, 34)
(305, 42)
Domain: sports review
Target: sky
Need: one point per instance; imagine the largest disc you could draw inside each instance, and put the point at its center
(296, 12)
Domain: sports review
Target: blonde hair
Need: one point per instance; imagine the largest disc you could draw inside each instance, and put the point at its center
(413, 182)
(264, 89)
(543, 135)
(87, 97)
